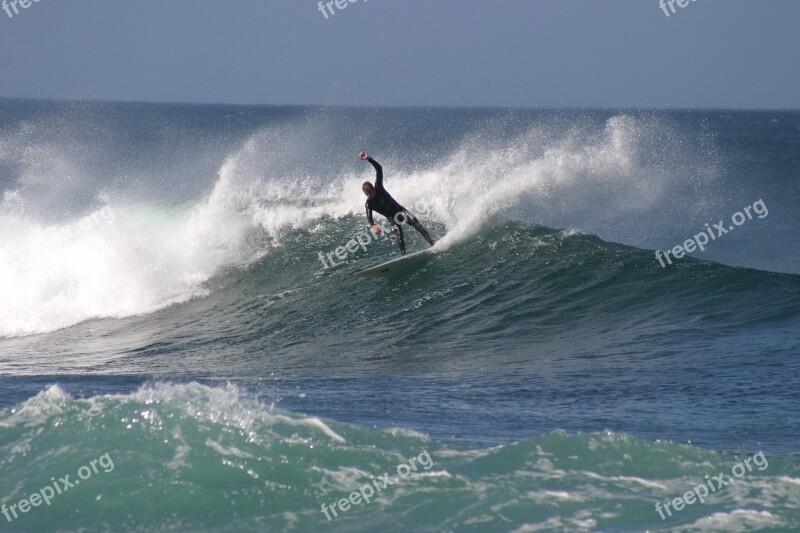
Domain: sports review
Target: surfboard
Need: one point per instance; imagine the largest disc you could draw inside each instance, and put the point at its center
(396, 265)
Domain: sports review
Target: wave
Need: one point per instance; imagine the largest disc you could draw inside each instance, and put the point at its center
(195, 458)
(106, 256)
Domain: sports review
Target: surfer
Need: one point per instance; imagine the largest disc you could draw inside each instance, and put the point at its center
(380, 201)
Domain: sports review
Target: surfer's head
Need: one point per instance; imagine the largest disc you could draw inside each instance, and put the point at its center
(368, 189)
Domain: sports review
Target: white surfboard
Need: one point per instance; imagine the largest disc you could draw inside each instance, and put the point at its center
(396, 265)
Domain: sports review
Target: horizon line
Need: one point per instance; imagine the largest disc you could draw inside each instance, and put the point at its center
(399, 106)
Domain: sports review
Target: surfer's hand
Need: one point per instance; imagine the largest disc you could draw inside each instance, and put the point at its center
(363, 156)
(376, 229)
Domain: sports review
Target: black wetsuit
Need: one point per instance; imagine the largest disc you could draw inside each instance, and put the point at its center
(387, 206)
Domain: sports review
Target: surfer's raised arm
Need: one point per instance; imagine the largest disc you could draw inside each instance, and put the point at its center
(378, 169)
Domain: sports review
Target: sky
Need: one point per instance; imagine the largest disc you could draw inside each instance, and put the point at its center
(735, 54)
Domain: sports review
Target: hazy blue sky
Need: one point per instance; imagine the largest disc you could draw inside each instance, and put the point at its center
(552, 53)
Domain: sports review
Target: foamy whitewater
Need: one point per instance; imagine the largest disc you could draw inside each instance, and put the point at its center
(164, 302)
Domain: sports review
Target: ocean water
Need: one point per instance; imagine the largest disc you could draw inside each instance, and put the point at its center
(173, 338)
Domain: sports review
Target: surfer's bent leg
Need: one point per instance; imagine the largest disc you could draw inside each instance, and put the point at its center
(412, 221)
